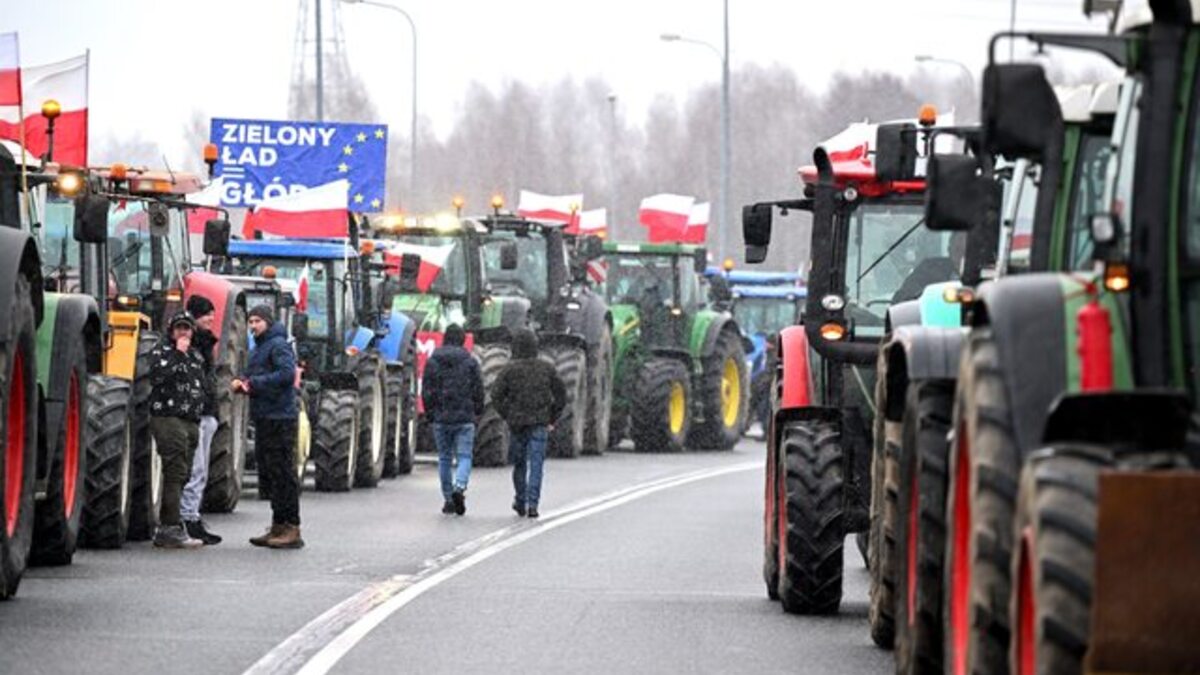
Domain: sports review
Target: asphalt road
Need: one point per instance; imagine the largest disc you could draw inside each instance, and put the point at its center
(613, 578)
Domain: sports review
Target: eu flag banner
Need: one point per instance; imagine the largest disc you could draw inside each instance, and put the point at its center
(261, 159)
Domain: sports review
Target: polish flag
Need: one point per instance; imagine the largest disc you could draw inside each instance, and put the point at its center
(697, 225)
(302, 291)
(208, 197)
(433, 259)
(65, 82)
(322, 211)
(10, 70)
(550, 208)
(666, 215)
(592, 222)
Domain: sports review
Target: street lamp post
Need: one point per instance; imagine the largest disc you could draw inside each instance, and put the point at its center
(412, 169)
(726, 150)
(926, 58)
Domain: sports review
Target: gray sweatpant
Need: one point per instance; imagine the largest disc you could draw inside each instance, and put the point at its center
(193, 492)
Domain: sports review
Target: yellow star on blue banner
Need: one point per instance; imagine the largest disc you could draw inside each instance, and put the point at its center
(347, 150)
(362, 138)
(343, 167)
(380, 133)
(358, 199)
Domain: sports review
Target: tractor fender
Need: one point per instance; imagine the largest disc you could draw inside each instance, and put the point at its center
(492, 335)
(907, 313)
(68, 317)
(225, 297)
(1026, 316)
(509, 312)
(395, 345)
(794, 382)
(569, 340)
(1142, 419)
(712, 324)
(18, 257)
(359, 338)
(590, 319)
(681, 355)
(914, 353)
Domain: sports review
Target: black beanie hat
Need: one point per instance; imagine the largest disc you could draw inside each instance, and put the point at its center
(263, 312)
(200, 306)
(455, 335)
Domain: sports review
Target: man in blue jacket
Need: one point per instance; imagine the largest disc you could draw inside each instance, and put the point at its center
(452, 390)
(270, 381)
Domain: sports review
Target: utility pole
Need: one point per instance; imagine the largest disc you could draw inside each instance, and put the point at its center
(726, 143)
(320, 68)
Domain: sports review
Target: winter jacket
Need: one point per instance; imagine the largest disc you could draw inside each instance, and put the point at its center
(271, 374)
(528, 392)
(452, 386)
(205, 343)
(177, 381)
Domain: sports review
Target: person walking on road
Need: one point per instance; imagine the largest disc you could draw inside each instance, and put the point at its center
(176, 403)
(452, 391)
(205, 344)
(270, 381)
(530, 396)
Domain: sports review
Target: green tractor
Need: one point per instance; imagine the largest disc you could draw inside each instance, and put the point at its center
(681, 373)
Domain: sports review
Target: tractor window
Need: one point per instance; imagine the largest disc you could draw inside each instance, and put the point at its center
(1190, 264)
(634, 279)
(59, 248)
(766, 316)
(689, 284)
(891, 258)
(1091, 176)
(129, 247)
(529, 279)
(1022, 217)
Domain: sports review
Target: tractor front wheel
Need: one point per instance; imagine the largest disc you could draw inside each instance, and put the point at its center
(57, 517)
(600, 395)
(570, 363)
(335, 441)
(372, 421)
(110, 462)
(660, 406)
(811, 515)
(18, 440)
(491, 435)
(724, 395)
(227, 452)
(146, 491)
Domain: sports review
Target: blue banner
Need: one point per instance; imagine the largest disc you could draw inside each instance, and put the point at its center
(261, 159)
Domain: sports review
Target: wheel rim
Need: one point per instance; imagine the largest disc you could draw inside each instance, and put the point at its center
(14, 455)
(914, 522)
(731, 392)
(71, 447)
(377, 421)
(678, 407)
(126, 464)
(352, 460)
(781, 516)
(960, 569)
(1026, 647)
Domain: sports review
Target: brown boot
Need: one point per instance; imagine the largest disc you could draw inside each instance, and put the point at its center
(288, 538)
(261, 540)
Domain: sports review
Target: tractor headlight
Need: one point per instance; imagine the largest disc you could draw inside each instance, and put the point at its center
(833, 302)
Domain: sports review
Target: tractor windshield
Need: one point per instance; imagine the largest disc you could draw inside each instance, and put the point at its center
(321, 275)
(529, 278)
(451, 273)
(131, 249)
(633, 279)
(1091, 178)
(891, 257)
(60, 251)
(766, 316)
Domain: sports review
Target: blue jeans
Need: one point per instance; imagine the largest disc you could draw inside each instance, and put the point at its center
(454, 440)
(527, 452)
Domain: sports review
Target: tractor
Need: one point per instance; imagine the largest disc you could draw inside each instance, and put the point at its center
(355, 356)
(681, 373)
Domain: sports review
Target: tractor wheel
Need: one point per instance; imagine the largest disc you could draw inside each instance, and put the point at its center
(57, 517)
(110, 463)
(18, 440)
(227, 453)
(600, 395)
(811, 532)
(881, 545)
(921, 526)
(146, 487)
(660, 406)
(372, 420)
(771, 508)
(409, 441)
(491, 435)
(981, 499)
(571, 365)
(335, 440)
(760, 400)
(724, 394)
(396, 394)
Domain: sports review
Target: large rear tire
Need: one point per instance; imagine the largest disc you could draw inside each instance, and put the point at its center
(569, 429)
(661, 406)
(724, 395)
(146, 491)
(18, 440)
(396, 395)
(881, 545)
(372, 420)
(491, 435)
(335, 440)
(811, 519)
(600, 395)
(57, 517)
(227, 453)
(110, 464)
(771, 507)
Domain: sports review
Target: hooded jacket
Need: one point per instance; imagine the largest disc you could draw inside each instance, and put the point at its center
(528, 392)
(271, 374)
(452, 386)
(178, 380)
(205, 343)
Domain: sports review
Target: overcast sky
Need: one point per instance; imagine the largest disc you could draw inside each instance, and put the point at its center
(155, 61)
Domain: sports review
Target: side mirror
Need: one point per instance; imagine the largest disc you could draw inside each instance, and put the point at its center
(300, 325)
(160, 219)
(896, 151)
(91, 219)
(1021, 114)
(719, 291)
(1105, 228)
(216, 238)
(700, 260)
(756, 231)
(591, 247)
(508, 256)
(957, 197)
(410, 270)
(287, 300)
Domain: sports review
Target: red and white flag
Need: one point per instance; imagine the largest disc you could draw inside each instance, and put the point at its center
(433, 259)
(322, 211)
(697, 225)
(597, 270)
(208, 197)
(593, 222)
(302, 291)
(550, 208)
(65, 82)
(10, 69)
(666, 215)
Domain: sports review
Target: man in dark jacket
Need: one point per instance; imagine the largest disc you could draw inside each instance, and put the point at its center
(452, 391)
(176, 402)
(530, 396)
(205, 344)
(270, 381)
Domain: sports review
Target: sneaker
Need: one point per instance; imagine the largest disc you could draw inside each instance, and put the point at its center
(460, 501)
(532, 512)
(448, 507)
(174, 536)
(198, 529)
(289, 537)
(261, 540)
(519, 508)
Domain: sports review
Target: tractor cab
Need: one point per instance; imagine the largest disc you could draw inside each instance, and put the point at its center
(656, 285)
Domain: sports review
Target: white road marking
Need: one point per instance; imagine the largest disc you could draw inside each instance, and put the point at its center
(318, 646)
